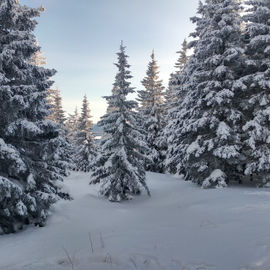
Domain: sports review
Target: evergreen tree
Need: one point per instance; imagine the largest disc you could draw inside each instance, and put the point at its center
(176, 78)
(177, 114)
(152, 114)
(183, 57)
(61, 159)
(256, 101)
(85, 140)
(72, 127)
(170, 94)
(29, 177)
(54, 98)
(57, 114)
(110, 108)
(208, 123)
(99, 171)
(173, 95)
(121, 166)
(38, 59)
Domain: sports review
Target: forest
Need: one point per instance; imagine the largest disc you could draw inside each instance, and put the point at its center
(208, 128)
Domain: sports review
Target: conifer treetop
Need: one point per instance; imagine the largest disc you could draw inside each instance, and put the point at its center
(152, 82)
(85, 118)
(123, 75)
(183, 57)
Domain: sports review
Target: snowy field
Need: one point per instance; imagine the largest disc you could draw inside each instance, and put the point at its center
(181, 227)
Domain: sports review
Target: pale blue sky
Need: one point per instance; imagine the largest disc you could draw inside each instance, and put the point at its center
(80, 38)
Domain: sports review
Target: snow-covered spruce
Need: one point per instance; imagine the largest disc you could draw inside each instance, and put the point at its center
(72, 129)
(29, 179)
(38, 59)
(173, 96)
(85, 141)
(256, 101)
(183, 57)
(151, 112)
(60, 161)
(175, 83)
(123, 173)
(208, 123)
(98, 170)
(72, 125)
(176, 117)
(57, 114)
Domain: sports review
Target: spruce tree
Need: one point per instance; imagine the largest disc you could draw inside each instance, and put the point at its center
(86, 148)
(175, 80)
(122, 171)
(170, 94)
(29, 181)
(208, 123)
(152, 114)
(72, 127)
(177, 114)
(61, 160)
(173, 96)
(57, 114)
(183, 57)
(256, 101)
(38, 59)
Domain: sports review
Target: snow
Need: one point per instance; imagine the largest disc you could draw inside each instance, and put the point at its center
(24, 124)
(217, 179)
(181, 227)
(223, 130)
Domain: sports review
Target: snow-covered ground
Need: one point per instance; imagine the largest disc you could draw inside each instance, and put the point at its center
(181, 227)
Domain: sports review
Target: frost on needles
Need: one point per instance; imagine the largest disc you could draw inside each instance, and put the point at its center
(120, 169)
(30, 177)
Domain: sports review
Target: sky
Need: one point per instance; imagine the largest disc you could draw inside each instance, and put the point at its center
(80, 39)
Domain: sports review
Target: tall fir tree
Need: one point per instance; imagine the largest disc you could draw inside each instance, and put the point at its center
(29, 176)
(256, 101)
(177, 114)
(152, 114)
(86, 148)
(54, 99)
(183, 57)
(208, 121)
(172, 96)
(72, 127)
(121, 167)
(57, 114)
(175, 79)
(38, 59)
